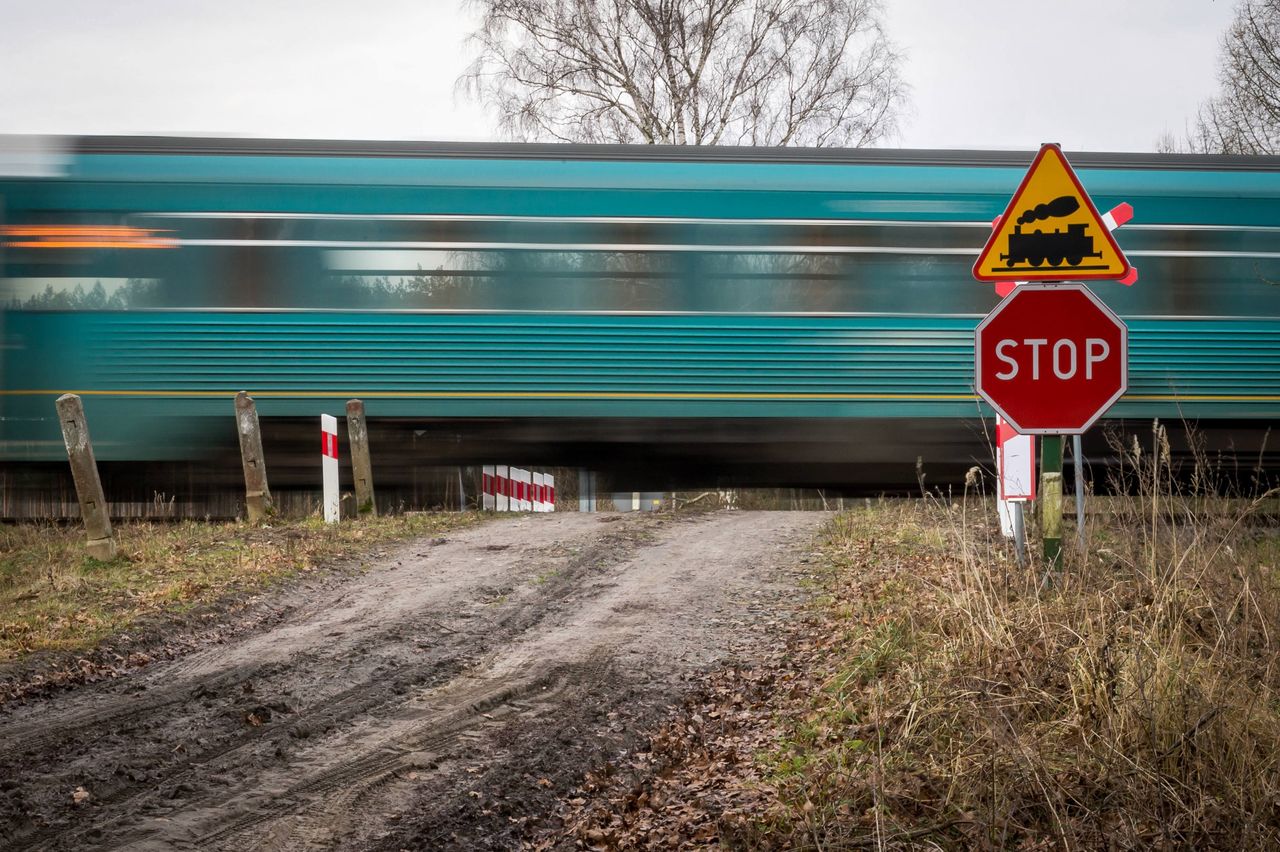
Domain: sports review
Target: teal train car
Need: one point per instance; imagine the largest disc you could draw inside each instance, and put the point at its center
(670, 310)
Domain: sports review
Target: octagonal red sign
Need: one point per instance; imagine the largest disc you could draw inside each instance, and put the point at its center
(1051, 358)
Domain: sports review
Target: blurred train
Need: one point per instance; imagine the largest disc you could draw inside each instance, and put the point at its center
(675, 316)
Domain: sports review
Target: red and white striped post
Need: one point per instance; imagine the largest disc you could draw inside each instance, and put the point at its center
(538, 504)
(502, 488)
(329, 466)
(488, 486)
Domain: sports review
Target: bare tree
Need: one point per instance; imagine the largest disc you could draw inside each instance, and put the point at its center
(1244, 118)
(688, 72)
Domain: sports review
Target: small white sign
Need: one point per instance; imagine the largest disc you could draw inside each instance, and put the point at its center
(1016, 462)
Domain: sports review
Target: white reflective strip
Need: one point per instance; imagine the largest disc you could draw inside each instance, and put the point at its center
(577, 220)
(798, 248)
(678, 248)
(656, 220)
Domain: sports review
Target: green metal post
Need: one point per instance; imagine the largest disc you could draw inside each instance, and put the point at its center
(1051, 498)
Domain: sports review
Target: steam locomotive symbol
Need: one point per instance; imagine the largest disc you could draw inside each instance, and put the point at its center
(1056, 246)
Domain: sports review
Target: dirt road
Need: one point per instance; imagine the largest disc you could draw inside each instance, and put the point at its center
(444, 698)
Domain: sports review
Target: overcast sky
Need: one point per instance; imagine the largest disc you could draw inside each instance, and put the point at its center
(1098, 75)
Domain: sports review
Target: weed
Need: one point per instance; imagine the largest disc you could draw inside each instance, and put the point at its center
(958, 701)
(52, 597)
(544, 577)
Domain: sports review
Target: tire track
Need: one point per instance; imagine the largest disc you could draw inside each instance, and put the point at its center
(239, 745)
(476, 650)
(494, 700)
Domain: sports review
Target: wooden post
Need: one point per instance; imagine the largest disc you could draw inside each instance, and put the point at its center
(257, 496)
(1051, 498)
(84, 469)
(361, 467)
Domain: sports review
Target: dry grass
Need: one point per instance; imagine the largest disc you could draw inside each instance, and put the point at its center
(1131, 703)
(53, 597)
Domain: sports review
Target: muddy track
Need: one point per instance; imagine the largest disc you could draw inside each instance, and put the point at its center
(498, 661)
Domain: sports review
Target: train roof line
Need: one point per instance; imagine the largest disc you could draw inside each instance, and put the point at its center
(196, 145)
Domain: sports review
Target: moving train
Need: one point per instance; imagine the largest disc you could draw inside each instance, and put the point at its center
(672, 315)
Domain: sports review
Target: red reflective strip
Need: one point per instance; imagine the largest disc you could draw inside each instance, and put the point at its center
(551, 495)
(329, 444)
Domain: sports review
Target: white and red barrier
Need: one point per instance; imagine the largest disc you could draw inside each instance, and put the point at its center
(513, 489)
(329, 466)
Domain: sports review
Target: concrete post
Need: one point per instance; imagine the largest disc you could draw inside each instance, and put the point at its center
(361, 467)
(84, 469)
(257, 496)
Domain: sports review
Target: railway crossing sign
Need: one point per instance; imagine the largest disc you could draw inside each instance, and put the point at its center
(1051, 359)
(1050, 231)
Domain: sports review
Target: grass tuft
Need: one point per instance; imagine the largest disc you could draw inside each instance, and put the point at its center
(55, 598)
(958, 700)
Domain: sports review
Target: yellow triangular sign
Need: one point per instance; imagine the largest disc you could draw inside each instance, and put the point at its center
(1050, 231)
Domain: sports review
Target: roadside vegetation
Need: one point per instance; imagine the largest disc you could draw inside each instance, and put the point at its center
(55, 598)
(939, 696)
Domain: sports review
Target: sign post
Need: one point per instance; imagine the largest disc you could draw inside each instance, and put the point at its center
(1077, 462)
(1051, 358)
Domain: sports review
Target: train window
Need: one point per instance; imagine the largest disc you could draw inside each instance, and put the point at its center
(504, 279)
(82, 261)
(75, 293)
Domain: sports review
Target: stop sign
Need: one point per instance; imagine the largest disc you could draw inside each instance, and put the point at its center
(1051, 358)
